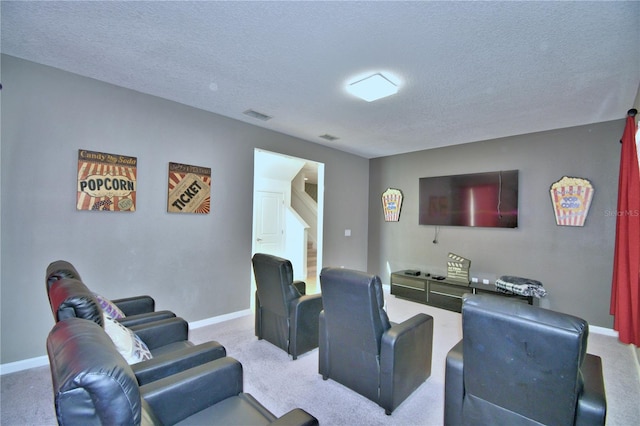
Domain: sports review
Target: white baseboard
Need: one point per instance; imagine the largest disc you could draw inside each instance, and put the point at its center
(25, 364)
(12, 367)
(603, 330)
(214, 320)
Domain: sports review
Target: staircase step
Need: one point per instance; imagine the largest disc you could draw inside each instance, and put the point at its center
(312, 259)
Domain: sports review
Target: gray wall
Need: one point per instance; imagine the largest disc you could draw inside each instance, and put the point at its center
(573, 263)
(196, 265)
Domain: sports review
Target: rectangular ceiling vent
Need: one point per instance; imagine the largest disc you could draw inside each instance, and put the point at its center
(258, 115)
(329, 137)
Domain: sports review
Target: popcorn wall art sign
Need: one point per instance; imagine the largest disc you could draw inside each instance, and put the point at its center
(106, 182)
(189, 189)
(391, 204)
(571, 199)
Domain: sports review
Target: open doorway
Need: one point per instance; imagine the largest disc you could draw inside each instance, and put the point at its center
(288, 206)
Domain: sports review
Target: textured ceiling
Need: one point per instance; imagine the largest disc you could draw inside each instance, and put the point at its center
(470, 71)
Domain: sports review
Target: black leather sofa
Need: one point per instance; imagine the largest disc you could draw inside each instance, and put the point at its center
(522, 365)
(167, 339)
(137, 309)
(361, 349)
(93, 385)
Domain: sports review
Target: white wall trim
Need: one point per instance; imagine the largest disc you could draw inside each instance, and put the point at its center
(220, 318)
(25, 364)
(603, 330)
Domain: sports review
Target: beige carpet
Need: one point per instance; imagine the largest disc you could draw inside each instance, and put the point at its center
(282, 384)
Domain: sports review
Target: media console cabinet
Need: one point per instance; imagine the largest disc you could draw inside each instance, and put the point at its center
(443, 294)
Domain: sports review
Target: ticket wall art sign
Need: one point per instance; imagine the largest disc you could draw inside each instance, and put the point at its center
(571, 199)
(189, 189)
(106, 182)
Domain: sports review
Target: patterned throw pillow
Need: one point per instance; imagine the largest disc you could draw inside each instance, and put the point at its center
(108, 307)
(130, 346)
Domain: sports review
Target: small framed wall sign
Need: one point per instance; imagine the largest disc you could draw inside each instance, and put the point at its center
(189, 189)
(571, 199)
(458, 268)
(391, 204)
(106, 182)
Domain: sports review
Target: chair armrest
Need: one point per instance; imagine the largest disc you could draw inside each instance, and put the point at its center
(136, 305)
(592, 403)
(165, 365)
(311, 303)
(296, 417)
(181, 395)
(163, 332)
(323, 346)
(145, 318)
(303, 321)
(405, 359)
(258, 317)
(307, 303)
(453, 386)
(71, 298)
(301, 286)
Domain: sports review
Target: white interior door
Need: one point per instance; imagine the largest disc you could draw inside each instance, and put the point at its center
(269, 222)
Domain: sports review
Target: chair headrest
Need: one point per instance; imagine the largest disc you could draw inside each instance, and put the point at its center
(355, 300)
(272, 263)
(58, 270)
(274, 279)
(352, 281)
(92, 383)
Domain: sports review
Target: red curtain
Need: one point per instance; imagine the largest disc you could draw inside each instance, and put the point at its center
(625, 288)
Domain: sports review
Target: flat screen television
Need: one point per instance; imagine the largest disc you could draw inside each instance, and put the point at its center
(479, 199)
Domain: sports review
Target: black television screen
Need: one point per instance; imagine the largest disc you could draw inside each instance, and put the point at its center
(479, 199)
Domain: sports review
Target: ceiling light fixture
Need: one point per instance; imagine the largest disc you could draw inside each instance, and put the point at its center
(373, 87)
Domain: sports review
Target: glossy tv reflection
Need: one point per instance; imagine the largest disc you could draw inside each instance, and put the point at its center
(487, 199)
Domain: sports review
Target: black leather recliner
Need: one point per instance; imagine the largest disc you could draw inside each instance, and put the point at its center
(137, 309)
(167, 339)
(361, 349)
(284, 315)
(92, 384)
(522, 365)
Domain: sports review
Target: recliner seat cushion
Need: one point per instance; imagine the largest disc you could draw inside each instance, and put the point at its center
(243, 409)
